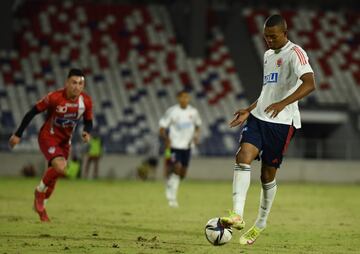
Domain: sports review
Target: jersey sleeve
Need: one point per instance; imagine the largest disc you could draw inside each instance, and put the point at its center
(166, 119)
(198, 121)
(300, 62)
(88, 114)
(45, 102)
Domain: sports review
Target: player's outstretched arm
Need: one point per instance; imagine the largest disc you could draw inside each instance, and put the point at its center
(163, 134)
(241, 115)
(16, 137)
(86, 136)
(13, 141)
(88, 126)
(197, 135)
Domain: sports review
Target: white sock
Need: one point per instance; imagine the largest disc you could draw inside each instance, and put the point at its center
(267, 197)
(41, 187)
(172, 186)
(168, 188)
(241, 183)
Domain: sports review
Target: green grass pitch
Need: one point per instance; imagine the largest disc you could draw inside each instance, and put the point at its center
(133, 217)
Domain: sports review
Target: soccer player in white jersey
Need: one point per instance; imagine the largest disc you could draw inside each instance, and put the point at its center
(271, 120)
(180, 129)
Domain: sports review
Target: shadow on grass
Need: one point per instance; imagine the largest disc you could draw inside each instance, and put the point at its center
(169, 230)
(139, 239)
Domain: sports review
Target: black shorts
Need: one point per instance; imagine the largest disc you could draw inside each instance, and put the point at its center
(181, 155)
(272, 139)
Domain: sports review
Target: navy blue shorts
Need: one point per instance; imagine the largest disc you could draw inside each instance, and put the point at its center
(181, 155)
(272, 139)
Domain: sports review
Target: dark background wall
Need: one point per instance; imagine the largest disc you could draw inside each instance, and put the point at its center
(6, 24)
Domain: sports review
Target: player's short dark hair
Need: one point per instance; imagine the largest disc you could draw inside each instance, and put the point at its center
(75, 72)
(276, 20)
(182, 92)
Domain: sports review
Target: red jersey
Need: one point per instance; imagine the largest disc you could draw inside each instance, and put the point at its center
(63, 114)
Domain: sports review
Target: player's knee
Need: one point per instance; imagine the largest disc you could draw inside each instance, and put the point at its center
(183, 173)
(177, 168)
(268, 176)
(60, 169)
(59, 164)
(243, 156)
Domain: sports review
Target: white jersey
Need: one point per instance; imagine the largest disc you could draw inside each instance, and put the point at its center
(282, 72)
(181, 124)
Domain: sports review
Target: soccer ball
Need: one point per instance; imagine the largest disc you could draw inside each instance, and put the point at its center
(216, 233)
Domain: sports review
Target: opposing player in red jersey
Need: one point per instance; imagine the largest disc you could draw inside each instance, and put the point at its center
(64, 109)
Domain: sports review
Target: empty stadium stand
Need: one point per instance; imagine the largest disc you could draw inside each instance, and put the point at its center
(134, 66)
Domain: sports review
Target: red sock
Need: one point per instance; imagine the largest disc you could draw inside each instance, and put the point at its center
(50, 176)
(49, 179)
(49, 190)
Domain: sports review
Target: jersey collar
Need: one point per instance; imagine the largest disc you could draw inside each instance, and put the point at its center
(65, 96)
(277, 51)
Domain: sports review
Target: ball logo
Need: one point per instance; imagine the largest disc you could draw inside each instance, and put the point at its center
(61, 109)
(216, 233)
(51, 150)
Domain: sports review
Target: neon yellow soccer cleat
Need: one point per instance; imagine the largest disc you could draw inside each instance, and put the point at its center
(233, 220)
(250, 236)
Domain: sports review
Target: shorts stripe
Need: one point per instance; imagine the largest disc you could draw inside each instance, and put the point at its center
(288, 138)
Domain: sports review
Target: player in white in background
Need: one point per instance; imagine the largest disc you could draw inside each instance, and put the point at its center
(271, 119)
(180, 129)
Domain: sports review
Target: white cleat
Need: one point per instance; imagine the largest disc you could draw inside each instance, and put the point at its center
(173, 204)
